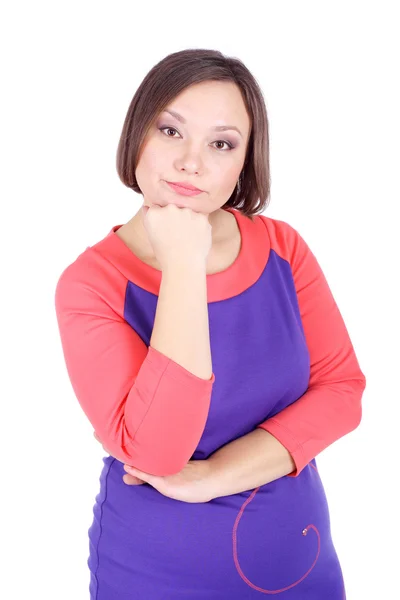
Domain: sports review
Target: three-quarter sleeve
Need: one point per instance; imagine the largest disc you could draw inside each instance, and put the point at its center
(331, 406)
(147, 410)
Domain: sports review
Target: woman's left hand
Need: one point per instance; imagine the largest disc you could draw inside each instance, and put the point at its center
(189, 485)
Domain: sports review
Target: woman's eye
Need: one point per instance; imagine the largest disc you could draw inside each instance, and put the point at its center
(169, 129)
(230, 146)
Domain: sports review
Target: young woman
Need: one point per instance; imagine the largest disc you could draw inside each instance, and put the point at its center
(205, 347)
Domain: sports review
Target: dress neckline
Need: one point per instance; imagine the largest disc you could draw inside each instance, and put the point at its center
(245, 269)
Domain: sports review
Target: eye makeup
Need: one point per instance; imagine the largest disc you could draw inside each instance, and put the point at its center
(231, 146)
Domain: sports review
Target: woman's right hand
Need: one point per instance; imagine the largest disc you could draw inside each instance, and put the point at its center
(177, 235)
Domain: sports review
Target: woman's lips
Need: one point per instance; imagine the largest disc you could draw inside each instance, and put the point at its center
(183, 191)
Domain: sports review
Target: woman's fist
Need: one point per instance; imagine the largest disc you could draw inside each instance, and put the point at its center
(177, 235)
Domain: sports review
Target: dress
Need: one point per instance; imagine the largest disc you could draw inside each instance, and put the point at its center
(282, 360)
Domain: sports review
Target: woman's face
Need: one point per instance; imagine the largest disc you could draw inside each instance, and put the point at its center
(191, 150)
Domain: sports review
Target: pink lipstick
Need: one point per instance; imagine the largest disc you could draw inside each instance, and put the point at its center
(183, 191)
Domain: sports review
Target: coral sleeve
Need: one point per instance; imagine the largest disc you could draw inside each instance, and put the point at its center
(331, 406)
(148, 410)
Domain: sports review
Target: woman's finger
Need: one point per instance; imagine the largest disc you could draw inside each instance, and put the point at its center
(131, 480)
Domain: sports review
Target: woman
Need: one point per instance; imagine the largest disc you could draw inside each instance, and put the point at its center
(206, 349)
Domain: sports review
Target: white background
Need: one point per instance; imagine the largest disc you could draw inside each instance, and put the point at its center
(330, 76)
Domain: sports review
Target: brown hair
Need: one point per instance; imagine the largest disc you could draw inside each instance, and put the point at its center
(163, 83)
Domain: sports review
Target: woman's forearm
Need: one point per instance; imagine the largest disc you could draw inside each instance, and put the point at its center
(250, 461)
(181, 325)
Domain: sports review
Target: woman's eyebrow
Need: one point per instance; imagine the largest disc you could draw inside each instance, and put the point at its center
(217, 128)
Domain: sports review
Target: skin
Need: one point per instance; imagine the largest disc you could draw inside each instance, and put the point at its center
(193, 152)
(190, 152)
(189, 485)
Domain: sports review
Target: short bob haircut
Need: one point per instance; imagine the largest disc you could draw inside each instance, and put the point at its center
(163, 83)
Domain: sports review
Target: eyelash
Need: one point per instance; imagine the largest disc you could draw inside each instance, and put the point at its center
(231, 147)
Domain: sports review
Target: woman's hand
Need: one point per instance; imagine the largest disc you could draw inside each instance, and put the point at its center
(177, 235)
(189, 485)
